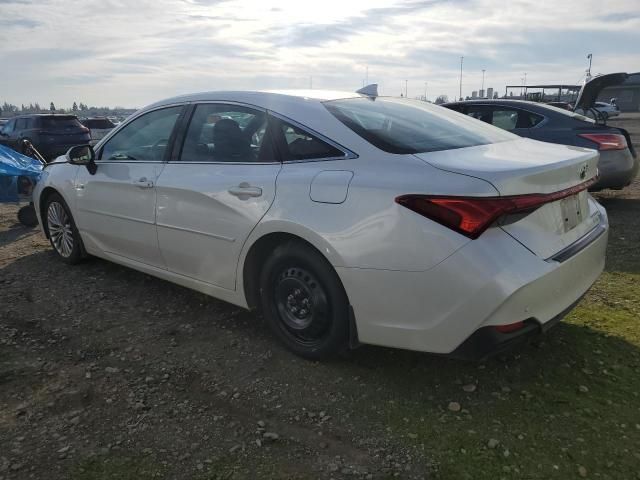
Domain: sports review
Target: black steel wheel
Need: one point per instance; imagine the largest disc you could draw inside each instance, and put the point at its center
(304, 302)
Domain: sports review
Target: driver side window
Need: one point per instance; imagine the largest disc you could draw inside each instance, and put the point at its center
(144, 139)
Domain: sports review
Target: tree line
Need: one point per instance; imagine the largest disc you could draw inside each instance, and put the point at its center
(78, 108)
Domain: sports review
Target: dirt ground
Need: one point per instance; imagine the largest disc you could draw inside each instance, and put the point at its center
(107, 373)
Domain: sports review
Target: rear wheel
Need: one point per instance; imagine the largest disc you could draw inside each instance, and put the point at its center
(303, 302)
(63, 234)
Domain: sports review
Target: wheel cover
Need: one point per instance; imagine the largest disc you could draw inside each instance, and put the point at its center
(302, 305)
(60, 231)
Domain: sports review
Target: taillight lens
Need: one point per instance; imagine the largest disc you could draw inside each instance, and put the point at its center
(607, 141)
(511, 327)
(471, 216)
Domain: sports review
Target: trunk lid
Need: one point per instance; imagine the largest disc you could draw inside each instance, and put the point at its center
(522, 167)
(592, 88)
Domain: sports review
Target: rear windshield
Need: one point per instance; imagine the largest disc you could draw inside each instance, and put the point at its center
(59, 122)
(569, 113)
(98, 123)
(410, 126)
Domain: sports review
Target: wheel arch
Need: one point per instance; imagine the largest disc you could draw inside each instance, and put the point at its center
(42, 202)
(263, 241)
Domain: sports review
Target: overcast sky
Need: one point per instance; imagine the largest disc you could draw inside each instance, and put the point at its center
(130, 53)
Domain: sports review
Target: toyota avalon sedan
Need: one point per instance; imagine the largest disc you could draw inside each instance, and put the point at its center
(343, 218)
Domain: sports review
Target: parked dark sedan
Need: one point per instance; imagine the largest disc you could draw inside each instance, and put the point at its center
(618, 164)
(52, 135)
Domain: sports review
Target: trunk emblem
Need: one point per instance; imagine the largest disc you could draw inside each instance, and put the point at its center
(583, 171)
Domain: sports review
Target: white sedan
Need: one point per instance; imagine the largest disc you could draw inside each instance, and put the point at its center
(344, 218)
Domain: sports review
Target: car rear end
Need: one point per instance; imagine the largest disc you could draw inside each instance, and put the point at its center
(99, 128)
(58, 133)
(525, 252)
(618, 165)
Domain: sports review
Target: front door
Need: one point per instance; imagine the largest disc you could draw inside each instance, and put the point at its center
(117, 205)
(220, 185)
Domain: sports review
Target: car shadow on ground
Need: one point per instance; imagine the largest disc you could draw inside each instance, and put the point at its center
(16, 232)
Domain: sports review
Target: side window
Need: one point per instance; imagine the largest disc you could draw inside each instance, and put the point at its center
(532, 119)
(481, 112)
(301, 145)
(21, 124)
(145, 138)
(505, 118)
(227, 133)
(8, 128)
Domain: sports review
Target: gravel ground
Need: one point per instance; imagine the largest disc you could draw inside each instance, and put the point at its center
(109, 373)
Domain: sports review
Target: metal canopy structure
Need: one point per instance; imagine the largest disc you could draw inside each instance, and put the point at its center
(560, 92)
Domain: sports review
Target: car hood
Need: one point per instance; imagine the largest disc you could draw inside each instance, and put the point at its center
(592, 88)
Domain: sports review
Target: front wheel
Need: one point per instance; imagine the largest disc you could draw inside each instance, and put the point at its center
(63, 234)
(304, 303)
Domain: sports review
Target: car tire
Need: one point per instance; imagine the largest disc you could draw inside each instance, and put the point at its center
(62, 232)
(304, 303)
(27, 216)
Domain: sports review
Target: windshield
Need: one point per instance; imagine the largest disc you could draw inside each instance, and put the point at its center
(411, 126)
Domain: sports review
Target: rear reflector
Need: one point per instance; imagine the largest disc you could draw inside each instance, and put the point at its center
(512, 327)
(471, 216)
(606, 141)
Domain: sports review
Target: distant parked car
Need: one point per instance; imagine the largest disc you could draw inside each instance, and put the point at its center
(618, 164)
(98, 127)
(51, 134)
(608, 108)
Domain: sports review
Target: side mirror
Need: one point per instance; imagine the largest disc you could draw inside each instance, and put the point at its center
(82, 155)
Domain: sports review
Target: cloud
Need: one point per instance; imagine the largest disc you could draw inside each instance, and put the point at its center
(122, 52)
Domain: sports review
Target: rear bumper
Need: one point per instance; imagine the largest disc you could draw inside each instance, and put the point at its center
(617, 169)
(490, 281)
(488, 342)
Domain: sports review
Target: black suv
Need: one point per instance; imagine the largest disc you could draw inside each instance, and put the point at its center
(52, 135)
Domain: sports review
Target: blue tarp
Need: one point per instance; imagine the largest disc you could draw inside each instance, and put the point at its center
(12, 166)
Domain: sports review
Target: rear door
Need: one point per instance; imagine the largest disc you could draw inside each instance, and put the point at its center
(116, 207)
(220, 182)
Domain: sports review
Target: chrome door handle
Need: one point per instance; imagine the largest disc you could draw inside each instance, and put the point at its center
(143, 183)
(244, 191)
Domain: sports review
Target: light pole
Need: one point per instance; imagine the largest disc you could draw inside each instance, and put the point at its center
(482, 82)
(590, 57)
(406, 89)
(425, 91)
(461, 60)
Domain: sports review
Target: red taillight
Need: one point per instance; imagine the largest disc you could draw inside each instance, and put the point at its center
(512, 327)
(471, 216)
(607, 141)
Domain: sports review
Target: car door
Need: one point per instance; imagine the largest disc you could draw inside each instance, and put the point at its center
(116, 206)
(218, 185)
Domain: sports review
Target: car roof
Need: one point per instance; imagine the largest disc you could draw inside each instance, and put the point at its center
(498, 101)
(260, 98)
(59, 115)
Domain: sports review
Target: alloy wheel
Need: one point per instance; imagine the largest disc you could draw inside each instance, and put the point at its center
(60, 230)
